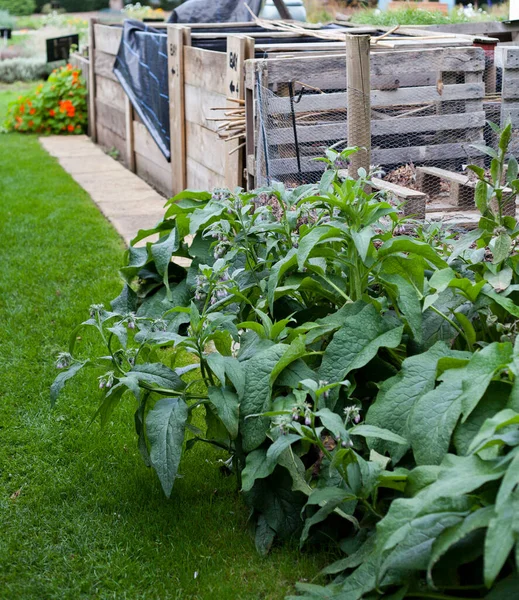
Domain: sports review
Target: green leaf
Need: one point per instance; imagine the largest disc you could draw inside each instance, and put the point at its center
(371, 431)
(507, 303)
(280, 445)
(226, 403)
(277, 272)
(295, 350)
(308, 242)
(480, 197)
(397, 396)
(501, 248)
(163, 249)
(264, 537)
(362, 241)
(491, 426)
(165, 425)
(63, 377)
(412, 246)
(480, 371)
(333, 423)
(433, 419)
(201, 217)
(256, 467)
(256, 398)
(229, 366)
(449, 537)
(500, 539)
(485, 150)
(467, 326)
(512, 169)
(158, 374)
(357, 342)
(509, 484)
(329, 499)
(126, 302)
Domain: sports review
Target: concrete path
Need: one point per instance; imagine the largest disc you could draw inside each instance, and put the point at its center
(126, 200)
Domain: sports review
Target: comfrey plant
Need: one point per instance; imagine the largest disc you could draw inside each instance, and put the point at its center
(345, 368)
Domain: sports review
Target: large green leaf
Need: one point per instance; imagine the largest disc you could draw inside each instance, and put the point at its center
(500, 538)
(412, 246)
(229, 366)
(226, 403)
(357, 342)
(201, 217)
(63, 377)
(449, 537)
(165, 425)
(398, 395)
(256, 398)
(433, 419)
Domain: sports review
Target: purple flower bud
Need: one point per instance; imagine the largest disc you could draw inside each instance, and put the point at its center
(356, 419)
(345, 444)
(295, 417)
(101, 384)
(308, 421)
(131, 324)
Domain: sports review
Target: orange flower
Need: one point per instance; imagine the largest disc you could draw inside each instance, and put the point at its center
(32, 111)
(75, 73)
(52, 112)
(30, 123)
(22, 108)
(29, 103)
(16, 125)
(19, 119)
(70, 127)
(69, 67)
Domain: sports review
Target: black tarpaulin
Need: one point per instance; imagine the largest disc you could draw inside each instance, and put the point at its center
(215, 11)
(141, 67)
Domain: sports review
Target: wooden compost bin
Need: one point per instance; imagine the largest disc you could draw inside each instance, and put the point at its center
(200, 79)
(401, 81)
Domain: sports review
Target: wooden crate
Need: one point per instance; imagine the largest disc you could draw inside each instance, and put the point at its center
(452, 94)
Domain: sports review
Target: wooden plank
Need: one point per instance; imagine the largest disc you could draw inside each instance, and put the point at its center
(384, 156)
(206, 69)
(379, 127)
(130, 142)
(198, 103)
(110, 140)
(110, 92)
(398, 190)
(111, 118)
(358, 98)
(239, 49)
(510, 86)
(380, 98)
(146, 146)
(199, 177)
(204, 146)
(511, 58)
(108, 38)
(104, 65)
(177, 131)
(92, 81)
(157, 177)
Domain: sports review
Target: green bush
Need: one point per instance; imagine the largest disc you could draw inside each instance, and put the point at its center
(7, 20)
(24, 69)
(18, 7)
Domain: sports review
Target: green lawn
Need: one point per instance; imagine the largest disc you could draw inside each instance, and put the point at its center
(80, 515)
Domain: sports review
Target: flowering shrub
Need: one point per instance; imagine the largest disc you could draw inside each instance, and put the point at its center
(364, 382)
(56, 106)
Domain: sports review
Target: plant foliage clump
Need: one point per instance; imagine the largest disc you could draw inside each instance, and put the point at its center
(56, 106)
(18, 7)
(364, 381)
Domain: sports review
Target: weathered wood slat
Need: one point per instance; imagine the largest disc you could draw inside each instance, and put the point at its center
(104, 65)
(205, 147)
(510, 87)
(379, 127)
(459, 60)
(205, 69)
(110, 92)
(156, 176)
(198, 103)
(199, 177)
(111, 118)
(145, 145)
(108, 38)
(380, 98)
(109, 140)
(384, 156)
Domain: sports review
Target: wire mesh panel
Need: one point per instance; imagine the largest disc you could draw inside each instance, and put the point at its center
(426, 112)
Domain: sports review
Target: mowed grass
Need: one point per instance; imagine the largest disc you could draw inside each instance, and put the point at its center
(80, 514)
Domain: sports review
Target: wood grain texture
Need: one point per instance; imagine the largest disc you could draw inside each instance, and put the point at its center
(111, 118)
(108, 38)
(206, 148)
(104, 65)
(177, 132)
(110, 92)
(146, 146)
(199, 177)
(157, 177)
(206, 69)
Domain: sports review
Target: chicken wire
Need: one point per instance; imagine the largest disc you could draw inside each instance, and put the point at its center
(419, 118)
